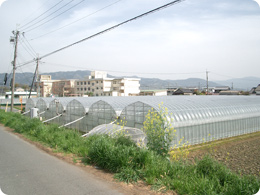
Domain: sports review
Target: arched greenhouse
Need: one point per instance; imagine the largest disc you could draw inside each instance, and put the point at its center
(195, 118)
(30, 103)
(56, 112)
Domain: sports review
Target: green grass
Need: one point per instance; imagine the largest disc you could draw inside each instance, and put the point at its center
(130, 163)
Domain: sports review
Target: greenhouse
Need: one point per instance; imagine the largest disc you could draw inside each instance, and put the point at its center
(195, 118)
(76, 112)
(43, 104)
(107, 110)
(57, 107)
(137, 135)
(30, 103)
(201, 118)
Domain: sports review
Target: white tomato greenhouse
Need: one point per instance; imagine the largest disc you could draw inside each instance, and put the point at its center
(195, 118)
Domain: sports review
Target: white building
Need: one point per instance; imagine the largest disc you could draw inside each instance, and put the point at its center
(20, 94)
(99, 85)
(162, 92)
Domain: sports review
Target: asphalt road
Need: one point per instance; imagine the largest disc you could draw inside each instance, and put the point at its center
(27, 170)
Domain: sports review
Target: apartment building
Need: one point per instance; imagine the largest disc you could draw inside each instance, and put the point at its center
(64, 88)
(98, 84)
(44, 85)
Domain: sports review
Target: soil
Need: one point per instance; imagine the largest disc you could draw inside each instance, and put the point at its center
(241, 154)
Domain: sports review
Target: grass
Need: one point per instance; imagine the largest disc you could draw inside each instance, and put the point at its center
(130, 163)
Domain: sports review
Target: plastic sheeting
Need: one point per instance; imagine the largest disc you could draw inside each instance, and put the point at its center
(195, 118)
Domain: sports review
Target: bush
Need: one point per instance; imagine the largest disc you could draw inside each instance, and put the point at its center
(159, 131)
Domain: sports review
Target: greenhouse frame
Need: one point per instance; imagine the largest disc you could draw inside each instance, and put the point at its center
(196, 119)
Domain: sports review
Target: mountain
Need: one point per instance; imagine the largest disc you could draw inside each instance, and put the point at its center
(154, 83)
(146, 83)
(245, 83)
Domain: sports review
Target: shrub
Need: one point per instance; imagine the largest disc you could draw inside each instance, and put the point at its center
(159, 130)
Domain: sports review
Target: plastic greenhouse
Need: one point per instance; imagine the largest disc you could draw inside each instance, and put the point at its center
(106, 110)
(201, 118)
(76, 111)
(30, 103)
(137, 135)
(43, 104)
(195, 118)
(56, 111)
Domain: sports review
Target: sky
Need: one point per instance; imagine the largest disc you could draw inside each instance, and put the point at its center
(181, 41)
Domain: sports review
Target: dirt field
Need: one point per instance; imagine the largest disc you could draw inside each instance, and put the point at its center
(241, 154)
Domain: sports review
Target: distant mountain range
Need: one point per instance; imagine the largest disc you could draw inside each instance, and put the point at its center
(146, 83)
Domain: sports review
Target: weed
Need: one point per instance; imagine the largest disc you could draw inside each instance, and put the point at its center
(159, 130)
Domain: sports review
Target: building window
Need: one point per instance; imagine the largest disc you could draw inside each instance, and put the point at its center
(85, 89)
(92, 84)
(89, 88)
(81, 83)
(81, 89)
(97, 88)
(77, 83)
(101, 81)
(93, 90)
(89, 82)
(102, 88)
(85, 83)
(96, 81)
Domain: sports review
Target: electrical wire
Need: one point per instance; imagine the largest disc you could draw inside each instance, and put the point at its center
(56, 16)
(36, 10)
(106, 30)
(113, 27)
(26, 49)
(140, 73)
(42, 14)
(39, 36)
(230, 76)
(25, 63)
(30, 46)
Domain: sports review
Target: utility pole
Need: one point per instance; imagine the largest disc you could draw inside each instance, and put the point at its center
(207, 78)
(37, 76)
(16, 33)
(35, 73)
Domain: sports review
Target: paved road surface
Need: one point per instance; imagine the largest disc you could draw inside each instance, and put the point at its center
(26, 170)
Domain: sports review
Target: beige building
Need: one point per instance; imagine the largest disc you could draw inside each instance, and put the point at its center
(64, 88)
(99, 85)
(45, 86)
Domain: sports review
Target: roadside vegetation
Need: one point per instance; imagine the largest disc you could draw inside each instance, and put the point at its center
(130, 163)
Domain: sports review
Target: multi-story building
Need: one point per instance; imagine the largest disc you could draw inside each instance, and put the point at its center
(64, 88)
(45, 85)
(99, 85)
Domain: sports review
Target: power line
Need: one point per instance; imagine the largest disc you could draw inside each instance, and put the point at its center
(36, 10)
(42, 14)
(76, 20)
(30, 46)
(143, 73)
(56, 15)
(27, 49)
(115, 26)
(25, 63)
(229, 76)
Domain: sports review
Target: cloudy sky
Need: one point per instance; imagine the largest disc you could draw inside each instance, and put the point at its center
(179, 42)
